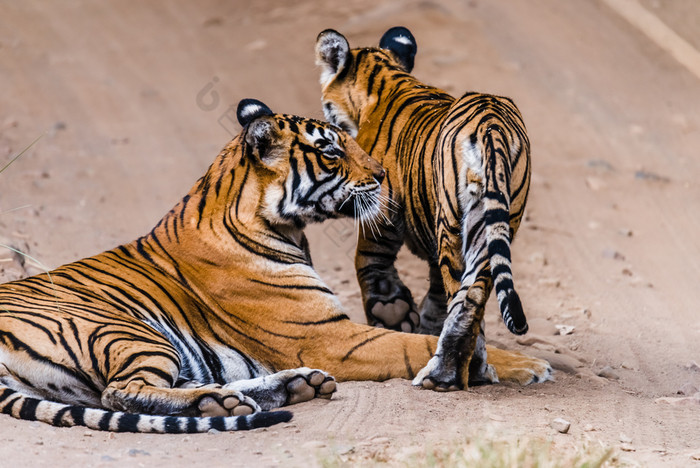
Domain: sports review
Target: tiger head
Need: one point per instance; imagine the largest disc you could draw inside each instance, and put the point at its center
(352, 79)
(310, 170)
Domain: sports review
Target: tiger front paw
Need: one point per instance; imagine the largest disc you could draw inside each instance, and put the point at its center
(438, 377)
(305, 384)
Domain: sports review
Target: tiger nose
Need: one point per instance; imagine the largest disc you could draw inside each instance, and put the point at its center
(379, 176)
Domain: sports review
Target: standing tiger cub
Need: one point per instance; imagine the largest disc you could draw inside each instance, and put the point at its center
(459, 172)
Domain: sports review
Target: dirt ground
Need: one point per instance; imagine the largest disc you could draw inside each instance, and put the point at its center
(133, 101)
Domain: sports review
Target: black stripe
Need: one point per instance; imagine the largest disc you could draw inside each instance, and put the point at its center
(219, 423)
(172, 425)
(335, 318)
(105, 420)
(7, 408)
(407, 361)
(192, 425)
(151, 370)
(358, 346)
(58, 417)
(77, 414)
(128, 422)
(294, 286)
(28, 409)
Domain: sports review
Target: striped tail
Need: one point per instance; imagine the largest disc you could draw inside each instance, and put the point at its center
(21, 406)
(497, 222)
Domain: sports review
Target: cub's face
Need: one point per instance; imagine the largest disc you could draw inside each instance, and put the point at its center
(352, 79)
(311, 170)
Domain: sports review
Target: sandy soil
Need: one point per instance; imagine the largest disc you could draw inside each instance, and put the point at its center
(132, 100)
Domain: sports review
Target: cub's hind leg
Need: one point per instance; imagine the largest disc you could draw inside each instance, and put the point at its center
(433, 307)
(286, 387)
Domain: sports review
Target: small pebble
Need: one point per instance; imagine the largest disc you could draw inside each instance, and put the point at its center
(589, 428)
(608, 373)
(625, 439)
(595, 183)
(627, 448)
(565, 329)
(538, 259)
(693, 366)
(135, 452)
(560, 425)
(344, 449)
(613, 254)
(625, 232)
(688, 389)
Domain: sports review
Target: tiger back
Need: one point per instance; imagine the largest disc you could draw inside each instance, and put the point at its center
(459, 172)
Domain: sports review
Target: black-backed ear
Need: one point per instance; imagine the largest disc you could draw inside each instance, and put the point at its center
(332, 53)
(261, 129)
(402, 44)
(250, 109)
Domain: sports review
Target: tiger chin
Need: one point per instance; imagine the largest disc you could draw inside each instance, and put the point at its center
(458, 175)
(216, 316)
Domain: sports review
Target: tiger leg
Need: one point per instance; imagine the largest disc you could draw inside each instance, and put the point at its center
(143, 378)
(354, 351)
(460, 357)
(433, 307)
(286, 387)
(433, 311)
(388, 303)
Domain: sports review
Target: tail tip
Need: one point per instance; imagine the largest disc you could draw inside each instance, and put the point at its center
(269, 418)
(514, 317)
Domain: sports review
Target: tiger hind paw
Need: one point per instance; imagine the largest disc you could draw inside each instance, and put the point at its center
(226, 403)
(513, 366)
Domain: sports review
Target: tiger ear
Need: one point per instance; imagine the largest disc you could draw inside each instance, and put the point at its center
(261, 129)
(332, 53)
(250, 109)
(402, 44)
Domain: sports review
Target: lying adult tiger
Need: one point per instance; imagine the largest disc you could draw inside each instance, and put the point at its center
(217, 312)
(458, 174)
